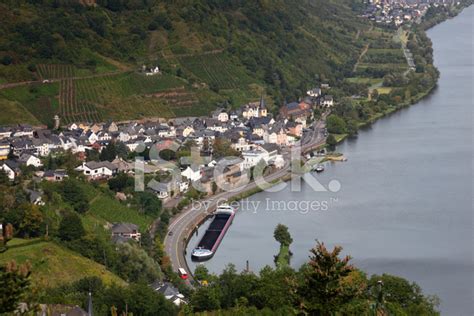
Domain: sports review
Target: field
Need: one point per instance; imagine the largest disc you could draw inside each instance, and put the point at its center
(13, 112)
(361, 80)
(54, 71)
(78, 96)
(384, 90)
(39, 100)
(131, 95)
(216, 70)
(54, 265)
(105, 209)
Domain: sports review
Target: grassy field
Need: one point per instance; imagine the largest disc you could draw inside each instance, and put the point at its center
(362, 80)
(110, 210)
(104, 208)
(54, 265)
(14, 112)
(384, 90)
(39, 100)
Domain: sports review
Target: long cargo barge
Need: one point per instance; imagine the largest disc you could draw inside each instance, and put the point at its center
(207, 247)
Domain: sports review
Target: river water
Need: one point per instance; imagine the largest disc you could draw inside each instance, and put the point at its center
(405, 205)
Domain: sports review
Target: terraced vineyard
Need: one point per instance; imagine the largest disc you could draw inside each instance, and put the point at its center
(216, 70)
(131, 95)
(384, 55)
(55, 71)
(70, 109)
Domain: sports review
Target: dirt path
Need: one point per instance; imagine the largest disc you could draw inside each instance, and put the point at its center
(364, 51)
(25, 83)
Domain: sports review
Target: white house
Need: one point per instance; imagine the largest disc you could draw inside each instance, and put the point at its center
(221, 115)
(192, 172)
(5, 132)
(126, 230)
(11, 168)
(314, 93)
(30, 160)
(253, 157)
(95, 170)
(104, 136)
(92, 137)
(72, 126)
(327, 101)
(123, 137)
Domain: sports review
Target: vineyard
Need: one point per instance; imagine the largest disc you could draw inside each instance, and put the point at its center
(383, 56)
(380, 56)
(70, 110)
(132, 95)
(55, 71)
(216, 70)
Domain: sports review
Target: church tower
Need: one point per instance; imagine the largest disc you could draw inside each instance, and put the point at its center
(57, 121)
(262, 108)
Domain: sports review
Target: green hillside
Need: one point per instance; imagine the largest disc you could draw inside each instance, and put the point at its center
(53, 265)
(209, 52)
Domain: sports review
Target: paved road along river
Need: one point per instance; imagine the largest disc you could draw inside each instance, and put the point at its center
(405, 202)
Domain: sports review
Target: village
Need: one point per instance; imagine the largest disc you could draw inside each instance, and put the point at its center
(251, 133)
(399, 12)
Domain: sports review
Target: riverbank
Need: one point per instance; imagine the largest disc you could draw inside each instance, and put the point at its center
(397, 211)
(420, 31)
(177, 243)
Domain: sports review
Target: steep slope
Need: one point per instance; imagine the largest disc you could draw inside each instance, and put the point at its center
(54, 265)
(221, 50)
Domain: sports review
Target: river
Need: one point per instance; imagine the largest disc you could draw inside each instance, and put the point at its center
(405, 202)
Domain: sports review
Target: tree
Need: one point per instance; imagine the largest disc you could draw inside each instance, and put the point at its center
(335, 124)
(14, 283)
(148, 203)
(92, 154)
(352, 127)
(282, 235)
(135, 265)
(201, 273)
(143, 300)
(108, 153)
(322, 290)
(331, 140)
(275, 288)
(120, 182)
(121, 150)
(401, 292)
(31, 224)
(71, 227)
(205, 299)
(222, 148)
(73, 194)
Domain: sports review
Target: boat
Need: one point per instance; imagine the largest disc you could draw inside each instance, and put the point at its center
(319, 168)
(207, 247)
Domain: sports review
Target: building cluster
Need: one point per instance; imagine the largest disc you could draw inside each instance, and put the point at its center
(398, 12)
(254, 133)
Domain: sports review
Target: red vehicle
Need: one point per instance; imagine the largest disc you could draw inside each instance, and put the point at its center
(182, 273)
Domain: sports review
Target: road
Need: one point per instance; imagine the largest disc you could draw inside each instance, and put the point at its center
(184, 223)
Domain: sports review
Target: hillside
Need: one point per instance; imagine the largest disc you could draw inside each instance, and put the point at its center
(209, 53)
(54, 265)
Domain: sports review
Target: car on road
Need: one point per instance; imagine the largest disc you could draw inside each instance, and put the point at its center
(170, 233)
(182, 273)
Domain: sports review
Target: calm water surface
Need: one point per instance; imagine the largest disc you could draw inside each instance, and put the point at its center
(405, 206)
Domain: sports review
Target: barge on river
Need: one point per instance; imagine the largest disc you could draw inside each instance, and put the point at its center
(207, 247)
